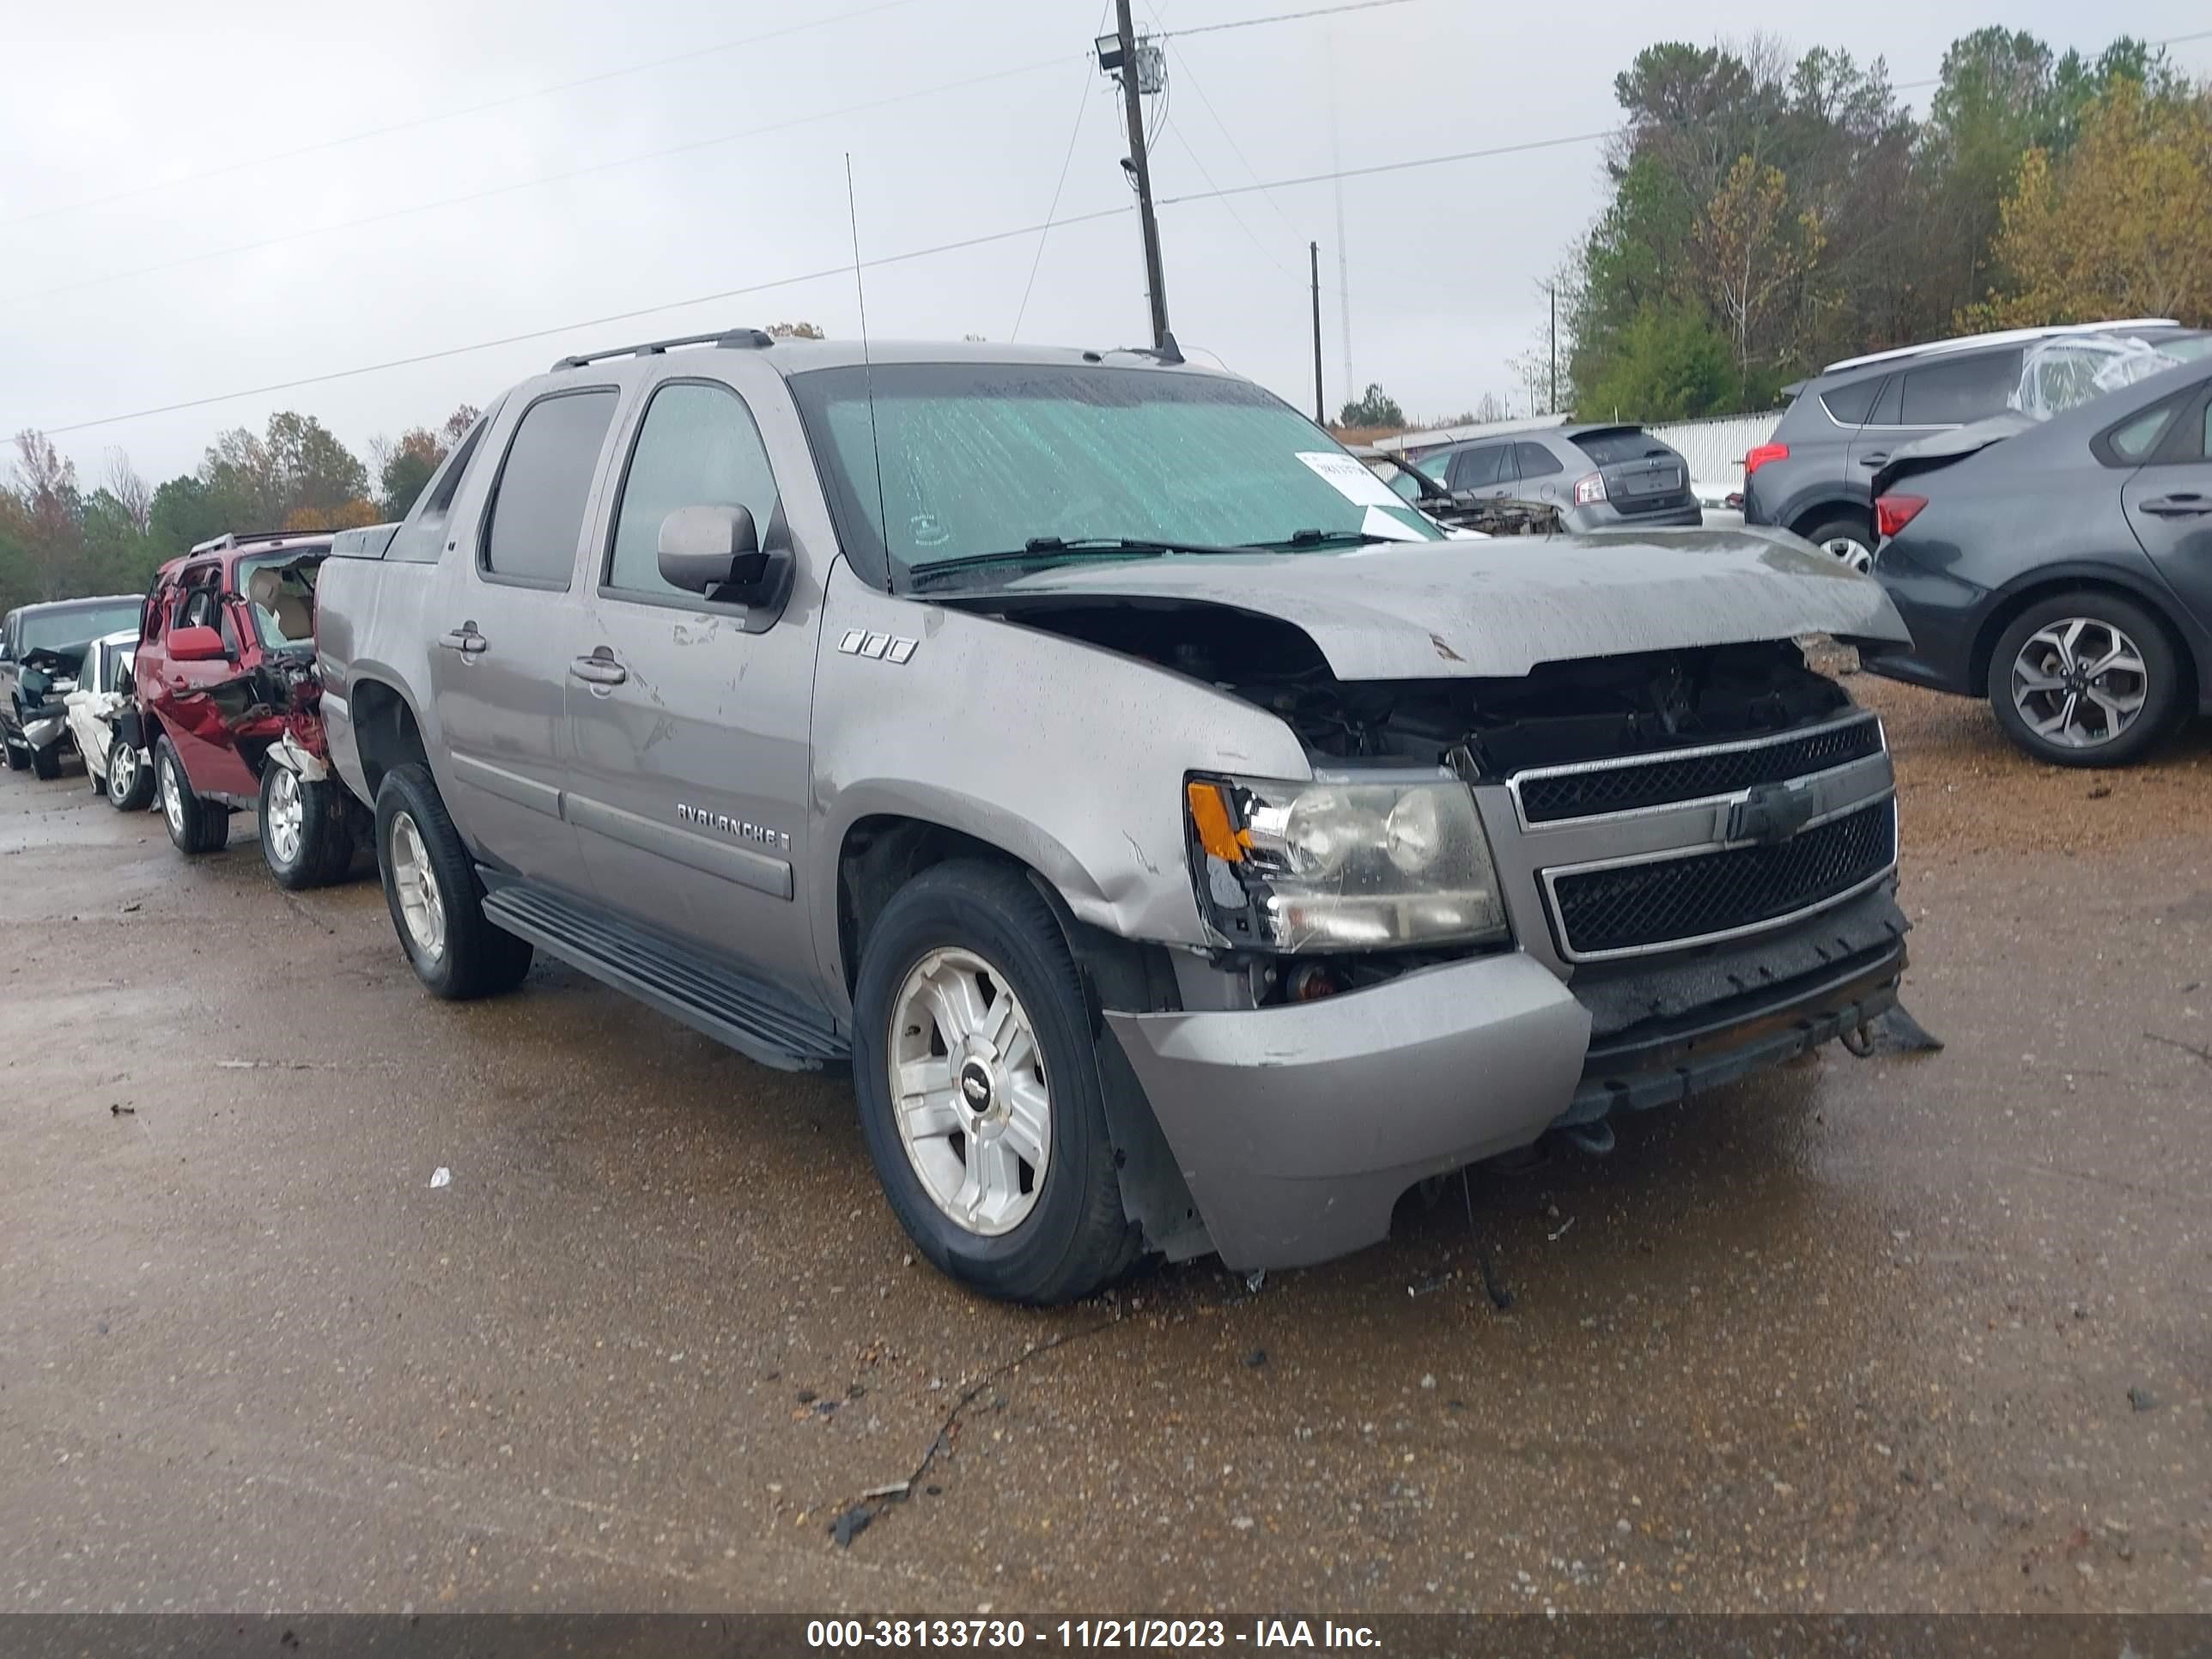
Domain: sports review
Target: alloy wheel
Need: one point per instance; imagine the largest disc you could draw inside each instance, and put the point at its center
(1850, 550)
(122, 770)
(287, 824)
(2080, 683)
(421, 905)
(968, 1089)
(173, 797)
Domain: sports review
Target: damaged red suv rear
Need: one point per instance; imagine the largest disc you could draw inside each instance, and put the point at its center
(229, 704)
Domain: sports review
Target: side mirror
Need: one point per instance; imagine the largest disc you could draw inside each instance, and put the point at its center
(715, 551)
(200, 644)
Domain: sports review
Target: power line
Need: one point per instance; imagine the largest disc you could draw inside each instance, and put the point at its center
(202, 255)
(1280, 17)
(1197, 162)
(1182, 68)
(839, 270)
(1037, 259)
(366, 133)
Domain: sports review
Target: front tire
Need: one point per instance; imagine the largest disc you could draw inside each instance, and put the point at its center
(130, 778)
(431, 887)
(18, 754)
(2086, 679)
(196, 826)
(46, 763)
(1847, 540)
(307, 839)
(980, 1098)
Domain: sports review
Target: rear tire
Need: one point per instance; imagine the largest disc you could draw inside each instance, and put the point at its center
(1846, 540)
(46, 763)
(430, 887)
(2057, 710)
(307, 835)
(196, 826)
(1048, 1234)
(130, 778)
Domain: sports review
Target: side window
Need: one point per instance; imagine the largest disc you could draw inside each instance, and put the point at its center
(157, 613)
(697, 446)
(2133, 441)
(1886, 405)
(1849, 405)
(1536, 461)
(1472, 469)
(1952, 394)
(422, 540)
(537, 508)
(198, 602)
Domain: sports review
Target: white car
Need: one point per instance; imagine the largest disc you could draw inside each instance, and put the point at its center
(103, 692)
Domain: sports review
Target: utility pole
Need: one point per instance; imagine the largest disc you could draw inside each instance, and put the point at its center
(1140, 168)
(1320, 407)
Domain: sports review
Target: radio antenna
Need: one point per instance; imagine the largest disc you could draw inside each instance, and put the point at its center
(868, 362)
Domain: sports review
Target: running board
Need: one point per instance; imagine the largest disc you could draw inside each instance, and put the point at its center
(682, 980)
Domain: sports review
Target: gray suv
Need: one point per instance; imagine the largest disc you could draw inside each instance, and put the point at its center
(1815, 475)
(1187, 845)
(1600, 477)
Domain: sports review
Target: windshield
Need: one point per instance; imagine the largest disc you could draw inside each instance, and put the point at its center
(280, 591)
(58, 630)
(988, 458)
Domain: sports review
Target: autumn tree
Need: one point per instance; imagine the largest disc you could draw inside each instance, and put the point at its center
(47, 510)
(2120, 226)
(404, 467)
(1752, 256)
(795, 332)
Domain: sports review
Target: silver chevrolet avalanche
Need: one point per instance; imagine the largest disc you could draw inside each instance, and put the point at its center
(1189, 845)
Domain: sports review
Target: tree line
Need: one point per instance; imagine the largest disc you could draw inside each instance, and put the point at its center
(1768, 214)
(61, 537)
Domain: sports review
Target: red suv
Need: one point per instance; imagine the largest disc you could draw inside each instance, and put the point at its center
(229, 704)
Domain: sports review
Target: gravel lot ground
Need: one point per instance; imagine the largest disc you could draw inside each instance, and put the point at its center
(1904, 1333)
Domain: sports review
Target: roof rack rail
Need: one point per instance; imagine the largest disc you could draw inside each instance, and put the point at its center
(732, 339)
(2002, 336)
(231, 538)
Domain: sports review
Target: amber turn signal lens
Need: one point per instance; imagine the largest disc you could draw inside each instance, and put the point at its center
(1209, 816)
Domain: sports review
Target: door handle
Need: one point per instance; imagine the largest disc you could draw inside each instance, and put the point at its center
(2179, 505)
(597, 669)
(465, 639)
(1874, 460)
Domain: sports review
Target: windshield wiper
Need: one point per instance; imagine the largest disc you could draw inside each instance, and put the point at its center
(1298, 540)
(1041, 552)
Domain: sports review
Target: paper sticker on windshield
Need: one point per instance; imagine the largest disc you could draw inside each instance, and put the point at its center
(1388, 528)
(1352, 479)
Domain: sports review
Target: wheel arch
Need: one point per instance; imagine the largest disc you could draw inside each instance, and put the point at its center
(1803, 520)
(880, 852)
(385, 729)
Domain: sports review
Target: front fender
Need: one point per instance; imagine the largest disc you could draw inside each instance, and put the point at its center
(1067, 756)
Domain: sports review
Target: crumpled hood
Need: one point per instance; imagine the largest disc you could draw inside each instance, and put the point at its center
(60, 661)
(1498, 608)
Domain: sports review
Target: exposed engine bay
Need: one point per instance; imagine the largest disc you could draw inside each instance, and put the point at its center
(1487, 729)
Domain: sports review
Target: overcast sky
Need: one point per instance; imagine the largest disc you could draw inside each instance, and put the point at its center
(110, 96)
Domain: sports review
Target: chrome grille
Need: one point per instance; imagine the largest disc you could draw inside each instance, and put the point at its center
(1560, 794)
(1681, 899)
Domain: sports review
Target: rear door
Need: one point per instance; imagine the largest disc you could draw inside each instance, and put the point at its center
(2169, 506)
(505, 621)
(195, 702)
(1541, 472)
(1484, 470)
(689, 717)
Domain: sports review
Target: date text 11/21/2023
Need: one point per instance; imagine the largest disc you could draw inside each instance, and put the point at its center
(1008, 1635)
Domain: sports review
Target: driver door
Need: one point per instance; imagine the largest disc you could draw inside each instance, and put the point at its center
(187, 695)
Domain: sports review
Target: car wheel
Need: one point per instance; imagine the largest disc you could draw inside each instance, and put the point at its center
(431, 887)
(306, 840)
(130, 778)
(1847, 541)
(979, 1090)
(19, 755)
(46, 763)
(2085, 679)
(196, 826)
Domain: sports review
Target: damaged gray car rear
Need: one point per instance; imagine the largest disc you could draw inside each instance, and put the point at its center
(1187, 845)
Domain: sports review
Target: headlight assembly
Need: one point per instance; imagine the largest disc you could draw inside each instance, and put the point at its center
(1337, 864)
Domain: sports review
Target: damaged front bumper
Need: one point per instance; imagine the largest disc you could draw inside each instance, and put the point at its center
(1298, 1127)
